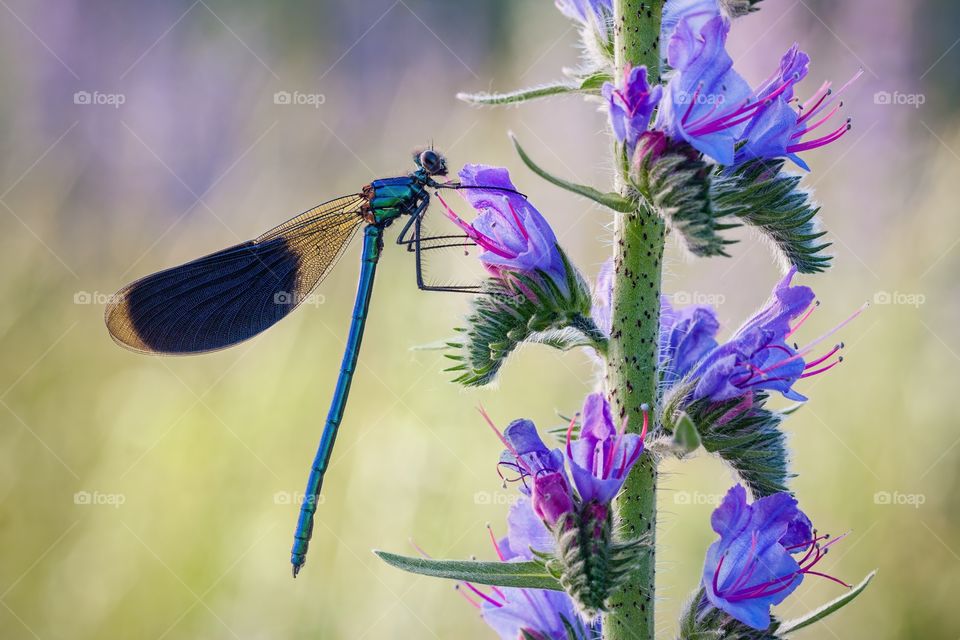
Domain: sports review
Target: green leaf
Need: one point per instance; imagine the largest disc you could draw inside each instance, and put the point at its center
(594, 81)
(525, 575)
(747, 437)
(686, 438)
(761, 195)
(834, 605)
(522, 95)
(612, 200)
(587, 84)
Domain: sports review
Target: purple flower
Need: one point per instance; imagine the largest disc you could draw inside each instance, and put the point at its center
(776, 130)
(512, 233)
(711, 107)
(526, 453)
(630, 105)
(601, 456)
(704, 91)
(540, 613)
(687, 336)
(587, 12)
(758, 356)
(696, 12)
(752, 566)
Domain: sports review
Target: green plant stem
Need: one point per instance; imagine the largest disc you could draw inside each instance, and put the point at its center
(632, 349)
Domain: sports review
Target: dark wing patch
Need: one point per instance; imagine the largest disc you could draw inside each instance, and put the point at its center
(229, 296)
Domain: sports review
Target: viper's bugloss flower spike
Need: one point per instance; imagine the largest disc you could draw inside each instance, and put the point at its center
(539, 613)
(764, 551)
(602, 455)
(630, 103)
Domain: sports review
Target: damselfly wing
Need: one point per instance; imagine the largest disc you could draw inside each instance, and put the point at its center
(231, 295)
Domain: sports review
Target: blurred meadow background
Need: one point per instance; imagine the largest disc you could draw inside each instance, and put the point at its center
(155, 498)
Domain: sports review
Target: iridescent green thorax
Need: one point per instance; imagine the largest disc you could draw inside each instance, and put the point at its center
(390, 198)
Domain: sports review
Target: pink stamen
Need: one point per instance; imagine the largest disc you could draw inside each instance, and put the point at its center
(704, 118)
(496, 545)
(414, 544)
(803, 318)
(611, 446)
(520, 226)
(823, 358)
(776, 347)
(819, 142)
(633, 456)
(805, 131)
(573, 421)
(772, 587)
(833, 95)
(807, 349)
(751, 564)
(823, 92)
(724, 122)
(693, 101)
(828, 577)
(483, 595)
(487, 243)
(473, 603)
(597, 453)
(639, 448)
(809, 374)
(716, 575)
(808, 543)
(506, 444)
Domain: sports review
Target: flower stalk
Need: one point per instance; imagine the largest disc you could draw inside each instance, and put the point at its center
(632, 348)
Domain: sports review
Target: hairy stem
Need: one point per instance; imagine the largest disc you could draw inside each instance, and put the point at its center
(632, 350)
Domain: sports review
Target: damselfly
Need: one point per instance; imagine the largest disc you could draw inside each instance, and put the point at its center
(229, 296)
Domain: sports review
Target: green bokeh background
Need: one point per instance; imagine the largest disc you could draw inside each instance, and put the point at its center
(202, 457)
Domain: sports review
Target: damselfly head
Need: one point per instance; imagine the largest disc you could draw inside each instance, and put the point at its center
(431, 161)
